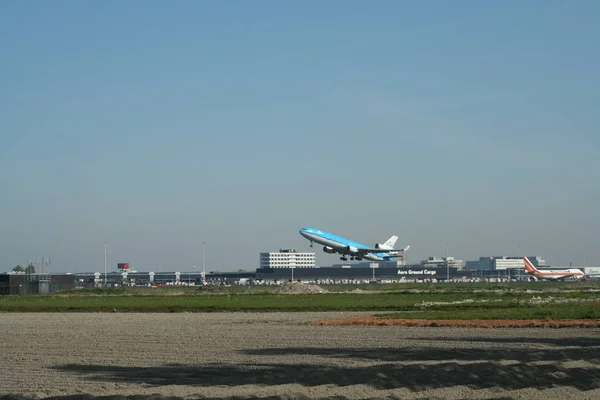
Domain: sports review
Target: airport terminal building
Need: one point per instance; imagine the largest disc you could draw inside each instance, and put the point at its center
(349, 274)
(287, 258)
(503, 263)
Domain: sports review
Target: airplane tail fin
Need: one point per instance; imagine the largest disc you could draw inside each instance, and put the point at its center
(390, 243)
(529, 267)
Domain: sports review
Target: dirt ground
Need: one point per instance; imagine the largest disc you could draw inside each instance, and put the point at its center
(280, 356)
(476, 323)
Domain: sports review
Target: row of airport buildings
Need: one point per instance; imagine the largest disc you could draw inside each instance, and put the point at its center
(284, 265)
(290, 258)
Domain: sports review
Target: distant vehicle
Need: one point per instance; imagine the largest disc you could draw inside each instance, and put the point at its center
(357, 251)
(546, 274)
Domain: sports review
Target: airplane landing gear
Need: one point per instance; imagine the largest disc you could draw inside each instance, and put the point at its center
(311, 244)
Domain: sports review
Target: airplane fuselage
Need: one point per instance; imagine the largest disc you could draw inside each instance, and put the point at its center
(557, 274)
(337, 244)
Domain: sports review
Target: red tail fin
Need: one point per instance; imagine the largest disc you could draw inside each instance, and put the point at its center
(529, 267)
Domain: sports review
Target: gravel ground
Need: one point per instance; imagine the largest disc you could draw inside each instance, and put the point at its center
(275, 355)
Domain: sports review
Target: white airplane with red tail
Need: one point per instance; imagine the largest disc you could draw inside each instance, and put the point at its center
(548, 274)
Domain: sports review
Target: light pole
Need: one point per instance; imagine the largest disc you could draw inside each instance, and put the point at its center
(105, 263)
(203, 266)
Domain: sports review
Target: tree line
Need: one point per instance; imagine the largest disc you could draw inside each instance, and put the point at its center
(30, 269)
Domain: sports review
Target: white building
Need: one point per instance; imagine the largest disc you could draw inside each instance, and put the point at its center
(503, 262)
(287, 258)
(433, 262)
(594, 271)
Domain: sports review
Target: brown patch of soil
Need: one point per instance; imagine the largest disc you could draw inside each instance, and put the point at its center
(474, 323)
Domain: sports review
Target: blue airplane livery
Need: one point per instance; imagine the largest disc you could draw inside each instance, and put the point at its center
(346, 247)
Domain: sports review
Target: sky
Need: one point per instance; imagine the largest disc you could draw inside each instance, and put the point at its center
(155, 126)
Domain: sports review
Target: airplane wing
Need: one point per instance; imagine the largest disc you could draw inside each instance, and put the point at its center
(365, 251)
(566, 276)
(557, 278)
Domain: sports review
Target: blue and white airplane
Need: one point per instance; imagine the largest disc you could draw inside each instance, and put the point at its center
(357, 251)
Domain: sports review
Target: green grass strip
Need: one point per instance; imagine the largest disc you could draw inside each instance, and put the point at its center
(400, 301)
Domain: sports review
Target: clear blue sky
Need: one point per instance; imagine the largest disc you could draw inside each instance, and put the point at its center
(156, 125)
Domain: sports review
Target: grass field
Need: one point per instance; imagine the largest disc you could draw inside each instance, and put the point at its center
(396, 288)
(445, 301)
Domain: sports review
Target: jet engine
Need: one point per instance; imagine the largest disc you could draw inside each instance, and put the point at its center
(352, 250)
(329, 250)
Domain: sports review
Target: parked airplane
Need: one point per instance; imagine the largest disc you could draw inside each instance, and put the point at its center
(357, 251)
(547, 274)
